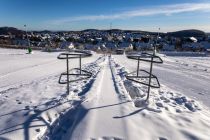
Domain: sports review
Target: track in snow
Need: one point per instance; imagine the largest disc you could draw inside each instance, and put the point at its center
(100, 110)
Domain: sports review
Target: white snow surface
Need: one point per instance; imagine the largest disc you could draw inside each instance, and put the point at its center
(105, 107)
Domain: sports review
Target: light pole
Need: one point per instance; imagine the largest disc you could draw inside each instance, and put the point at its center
(29, 48)
(155, 48)
(111, 37)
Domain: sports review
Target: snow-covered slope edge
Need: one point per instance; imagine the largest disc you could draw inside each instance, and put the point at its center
(169, 115)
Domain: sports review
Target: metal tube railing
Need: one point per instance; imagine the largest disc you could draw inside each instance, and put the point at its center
(84, 73)
(150, 75)
(146, 57)
(67, 71)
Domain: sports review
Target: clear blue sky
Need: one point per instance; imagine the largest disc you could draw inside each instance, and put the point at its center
(148, 15)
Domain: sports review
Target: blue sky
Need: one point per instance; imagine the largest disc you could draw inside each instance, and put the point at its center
(147, 15)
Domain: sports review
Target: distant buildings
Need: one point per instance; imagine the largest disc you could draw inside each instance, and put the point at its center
(106, 40)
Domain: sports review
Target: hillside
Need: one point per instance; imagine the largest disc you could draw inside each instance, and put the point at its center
(187, 33)
(182, 33)
(10, 30)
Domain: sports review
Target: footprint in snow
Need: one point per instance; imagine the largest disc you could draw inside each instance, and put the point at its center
(161, 138)
(76, 90)
(18, 101)
(201, 93)
(37, 130)
(27, 107)
(178, 110)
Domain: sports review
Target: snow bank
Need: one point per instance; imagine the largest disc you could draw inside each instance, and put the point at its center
(184, 54)
(168, 115)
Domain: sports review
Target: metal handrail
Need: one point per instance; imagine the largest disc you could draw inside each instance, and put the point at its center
(146, 57)
(85, 73)
(132, 78)
(142, 57)
(73, 55)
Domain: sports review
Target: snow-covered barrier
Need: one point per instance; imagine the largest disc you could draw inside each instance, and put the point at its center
(169, 115)
(134, 93)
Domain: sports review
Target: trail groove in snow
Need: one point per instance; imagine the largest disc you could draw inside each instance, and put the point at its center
(100, 112)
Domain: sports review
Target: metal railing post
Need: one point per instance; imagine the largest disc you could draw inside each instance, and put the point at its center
(67, 65)
(80, 63)
(138, 67)
(147, 79)
(150, 77)
(83, 73)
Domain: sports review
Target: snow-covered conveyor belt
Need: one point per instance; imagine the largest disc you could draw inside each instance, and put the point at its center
(111, 112)
(95, 119)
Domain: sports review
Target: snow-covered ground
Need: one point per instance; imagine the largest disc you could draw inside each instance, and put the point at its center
(29, 87)
(188, 75)
(105, 107)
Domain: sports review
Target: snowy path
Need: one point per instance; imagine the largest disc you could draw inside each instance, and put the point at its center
(100, 111)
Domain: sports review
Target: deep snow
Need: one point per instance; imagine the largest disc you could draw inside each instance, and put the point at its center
(188, 75)
(106, 106)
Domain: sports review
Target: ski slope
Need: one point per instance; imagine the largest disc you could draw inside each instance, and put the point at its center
(105, 107)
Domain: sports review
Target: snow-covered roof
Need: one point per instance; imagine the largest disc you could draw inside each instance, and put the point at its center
(193, 39)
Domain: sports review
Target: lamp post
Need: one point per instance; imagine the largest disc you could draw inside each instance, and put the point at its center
(29, 48)
(155, 48)
(111, 37)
